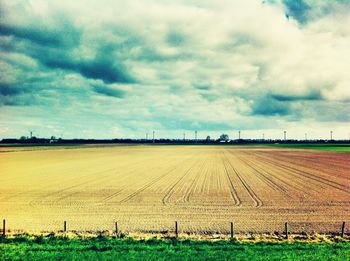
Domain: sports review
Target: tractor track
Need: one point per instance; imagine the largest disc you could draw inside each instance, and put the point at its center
(264, 178)
(92, 180)
(287, 184)
(316, 166)
(233, 191)
(257, 201)
(171, 191)
(308, 175)
(147, 185)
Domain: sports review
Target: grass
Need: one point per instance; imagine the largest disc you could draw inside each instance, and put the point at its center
(324, 147)
(106, 248)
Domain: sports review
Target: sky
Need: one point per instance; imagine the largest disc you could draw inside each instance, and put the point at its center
(121, 69)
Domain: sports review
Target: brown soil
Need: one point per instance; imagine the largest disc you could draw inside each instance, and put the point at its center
(147, 188)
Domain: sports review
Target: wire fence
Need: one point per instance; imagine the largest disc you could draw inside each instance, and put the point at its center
(223, 228)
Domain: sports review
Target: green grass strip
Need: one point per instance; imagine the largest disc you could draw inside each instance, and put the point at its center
(56, 248)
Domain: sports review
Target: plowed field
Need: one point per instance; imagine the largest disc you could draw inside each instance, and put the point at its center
(147, 188)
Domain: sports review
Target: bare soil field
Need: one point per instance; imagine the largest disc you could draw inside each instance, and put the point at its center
(147, 188)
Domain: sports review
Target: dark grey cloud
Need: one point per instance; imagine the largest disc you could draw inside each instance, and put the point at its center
(19, 100)
(269, 106)
(175, 38)
(9, 89)
(67, 36)
(305, 11)
(323, 111)
(18, 94)
(102, 67)
(308, 97)
(272, 104)
(56, 48)
(297, 108)
(25, 92)
(298, 9)
(202, 87)
(108, 91)
(105, 69)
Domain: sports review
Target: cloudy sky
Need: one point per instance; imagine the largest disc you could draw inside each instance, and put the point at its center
(108, 69)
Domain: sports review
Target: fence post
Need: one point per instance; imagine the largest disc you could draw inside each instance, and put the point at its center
(116, 227)
(176, 230)
(342, 229)
(4, 228)
(65, 226)
(286, 229)
(232, 233)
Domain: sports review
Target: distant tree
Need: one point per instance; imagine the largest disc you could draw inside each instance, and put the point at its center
(224, 137)
(23, 138)
(208, 138)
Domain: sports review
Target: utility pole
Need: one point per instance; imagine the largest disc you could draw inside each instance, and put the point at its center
(31, 134)
(263, 136)
(184, 136)
(153, 136)
(239, 135)
(146, 136)
(331, 135)
(305, 136)
(195, 136)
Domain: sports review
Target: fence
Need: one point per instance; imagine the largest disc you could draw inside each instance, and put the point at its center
(287, 232)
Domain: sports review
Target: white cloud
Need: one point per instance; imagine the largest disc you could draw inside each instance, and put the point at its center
(195, 64)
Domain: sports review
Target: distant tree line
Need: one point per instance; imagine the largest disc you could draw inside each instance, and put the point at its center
(224, 139)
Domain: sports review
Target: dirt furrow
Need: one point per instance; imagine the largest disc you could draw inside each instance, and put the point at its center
(257, 201)
(234, 194)
(171, 191)
(321, 180)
